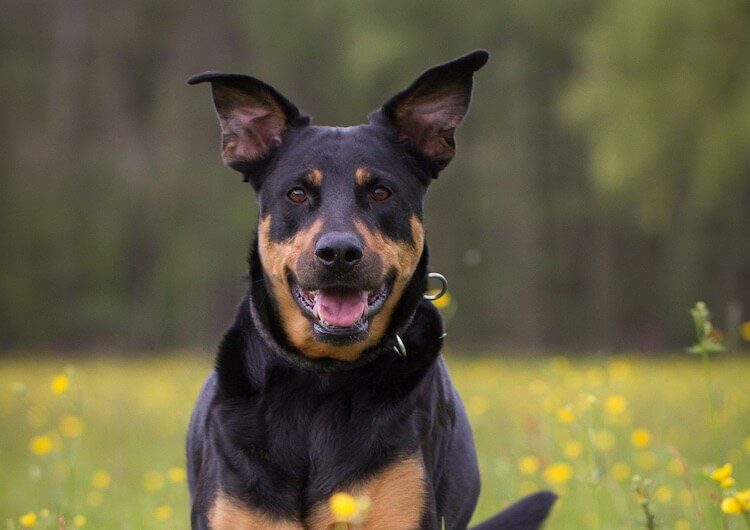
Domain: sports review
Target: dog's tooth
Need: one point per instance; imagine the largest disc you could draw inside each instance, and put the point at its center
(316, 310)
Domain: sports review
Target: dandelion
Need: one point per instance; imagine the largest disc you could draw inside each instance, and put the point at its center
(528, 465)
(558, 474)
(641, 438)
(728, 483)
(573, 449)
(619, 370)
(745, 331)
(153, 481)
(682, 524)
(40, 445)
(444, 301)
(675, 468)
(645, 460)
(101, 480)
(79, 520)
(615, 404)
(27, 520)
(722, 472)
(566, 415)
(731, 505)
(478, 405)
(620, 471)
(604, 440)
(663, 494)
(94, 498)
(162, 513)
(176, 474)
(60, 384)
(343, 507)
(71, 426)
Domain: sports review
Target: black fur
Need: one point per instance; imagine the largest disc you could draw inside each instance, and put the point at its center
(280, 432)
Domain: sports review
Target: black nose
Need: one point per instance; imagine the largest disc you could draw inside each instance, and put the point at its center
(339, 251)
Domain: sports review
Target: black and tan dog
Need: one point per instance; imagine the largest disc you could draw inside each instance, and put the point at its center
(330, 378)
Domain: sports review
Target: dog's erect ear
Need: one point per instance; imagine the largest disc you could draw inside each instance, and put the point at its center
(427, 113)
(253, 116)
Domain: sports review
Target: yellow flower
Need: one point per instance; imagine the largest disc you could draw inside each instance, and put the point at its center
(60, 384)
(722, 472)
(162, 513)
(616, 404)
(44, 513)
(728, 483)
(676, 468)
(558, 474)
(79, 520)
(444, 301)
(27, 520)
(566, 415)
(641, 438)
(101, 479)
(645, 460)
(71, 426)
(620, 471)
(176, 474)
(94, 498)
(619, 370)
(744, 498)
(478, 405)
(731, 505)
(343, 507)
(745, 331)
(153, 481)
(40, 445)
(682, 524)
(528, 465)
(604, 440)
(663, 494)
(573, 449)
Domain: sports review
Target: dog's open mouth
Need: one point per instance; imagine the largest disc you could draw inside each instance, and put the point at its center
(340, 314)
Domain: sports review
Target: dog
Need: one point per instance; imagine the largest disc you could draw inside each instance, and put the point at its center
(330, 378)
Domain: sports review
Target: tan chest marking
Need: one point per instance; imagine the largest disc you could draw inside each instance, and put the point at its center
(228, 514)
(397, 499)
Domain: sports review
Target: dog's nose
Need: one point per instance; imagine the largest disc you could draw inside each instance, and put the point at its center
(339, 251)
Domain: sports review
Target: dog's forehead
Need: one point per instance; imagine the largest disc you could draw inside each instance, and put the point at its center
(337, 152)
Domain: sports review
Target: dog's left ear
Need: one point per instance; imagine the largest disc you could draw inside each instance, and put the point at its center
(254, 118)
(427, 113)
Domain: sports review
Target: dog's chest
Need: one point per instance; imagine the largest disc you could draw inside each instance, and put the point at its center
(305, 449)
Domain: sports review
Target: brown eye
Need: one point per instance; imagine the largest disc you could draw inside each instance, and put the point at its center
(380, 193)
(297, 195)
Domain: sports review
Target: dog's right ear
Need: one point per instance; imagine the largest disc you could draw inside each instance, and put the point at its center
(253, 116)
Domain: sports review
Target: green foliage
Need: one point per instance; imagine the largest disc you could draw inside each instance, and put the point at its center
(601, 177)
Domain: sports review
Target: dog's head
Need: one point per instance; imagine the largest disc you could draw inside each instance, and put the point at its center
(340, 232)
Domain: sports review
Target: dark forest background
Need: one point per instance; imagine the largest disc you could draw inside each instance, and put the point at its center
(601, 184)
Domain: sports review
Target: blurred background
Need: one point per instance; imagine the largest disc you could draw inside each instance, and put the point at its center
(601, 184)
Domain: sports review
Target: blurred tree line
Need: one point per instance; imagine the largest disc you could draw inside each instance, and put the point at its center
(601, 185)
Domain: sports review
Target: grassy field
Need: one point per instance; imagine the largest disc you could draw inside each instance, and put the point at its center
(101, 440)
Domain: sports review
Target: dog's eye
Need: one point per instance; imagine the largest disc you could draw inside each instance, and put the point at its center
(297, 195)
(380, 193)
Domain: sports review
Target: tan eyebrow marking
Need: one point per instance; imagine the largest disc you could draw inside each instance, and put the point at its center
(362, 176)
(314, 177)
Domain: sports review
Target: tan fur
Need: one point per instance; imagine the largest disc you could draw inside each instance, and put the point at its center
(277, 257)
(396, 499)
(314, 177)
(229, 514)
(362, 176)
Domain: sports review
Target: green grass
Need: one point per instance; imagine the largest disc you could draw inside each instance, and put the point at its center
(135, 415)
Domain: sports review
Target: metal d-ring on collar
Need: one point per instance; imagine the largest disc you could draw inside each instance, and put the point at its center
(443, 286)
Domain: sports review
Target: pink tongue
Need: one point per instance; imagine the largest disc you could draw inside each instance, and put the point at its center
(341, 307)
